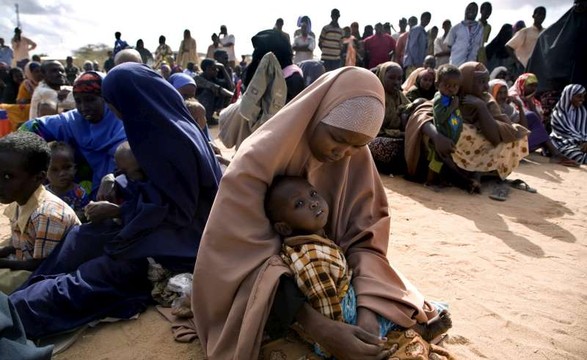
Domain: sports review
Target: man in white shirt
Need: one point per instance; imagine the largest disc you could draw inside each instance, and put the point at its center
(227, 42)
(52, 96)
(521, 45)
(465, 38)
(21, 46)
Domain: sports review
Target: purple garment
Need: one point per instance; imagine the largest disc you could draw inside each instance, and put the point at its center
(538, 135)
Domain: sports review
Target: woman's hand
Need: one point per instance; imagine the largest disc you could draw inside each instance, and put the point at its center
(101, 210)
(106, 189)
(473, 101)
(342, 340)
(584, 147)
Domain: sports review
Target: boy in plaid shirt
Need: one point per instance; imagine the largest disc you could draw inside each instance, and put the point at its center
(39, 220)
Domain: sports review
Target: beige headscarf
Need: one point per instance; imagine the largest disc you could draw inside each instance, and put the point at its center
(469, 71)
(393, 102)
(238, 266)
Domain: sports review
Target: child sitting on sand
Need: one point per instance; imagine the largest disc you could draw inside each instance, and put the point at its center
(61, 174)
(39, 220)
(299, 214)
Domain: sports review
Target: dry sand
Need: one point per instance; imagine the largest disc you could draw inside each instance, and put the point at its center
(513, 272)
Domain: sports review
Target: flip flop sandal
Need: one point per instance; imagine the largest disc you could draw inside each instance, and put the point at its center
(522, 185)
(499, 193)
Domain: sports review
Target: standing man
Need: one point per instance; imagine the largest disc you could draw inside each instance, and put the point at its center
(227, 42)
(403, 24)
(441, 50)
(465, 38)
(521, 45)
(330, 42)
(279, 27)
(21, 46)
(402, 41)
(118, 43)
(486, 10)
(417, 45)
(6, 54)
(71, 71)
(378, 47)
(303, 45)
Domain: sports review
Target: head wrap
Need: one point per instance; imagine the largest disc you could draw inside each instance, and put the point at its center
(564, 105)
(498, 70)
(363, 115)
(268, 41)
(495, 85)
(179, 80)
(469, 71)
(89, 82)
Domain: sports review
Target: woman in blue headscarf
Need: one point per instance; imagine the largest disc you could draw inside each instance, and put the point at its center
(92, 130)
(100, 269)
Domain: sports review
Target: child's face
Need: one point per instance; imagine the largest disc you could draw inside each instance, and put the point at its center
(426, 81)
(128, 165)
(450, 85)
(480, 85)
(16, 183)
(502, 95)
(299, 205)
(61, 169)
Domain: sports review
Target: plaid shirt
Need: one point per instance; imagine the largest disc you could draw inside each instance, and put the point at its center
(39, 225)
(320, 270)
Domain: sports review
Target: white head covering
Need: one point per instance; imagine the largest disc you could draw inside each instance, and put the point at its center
(363, 115)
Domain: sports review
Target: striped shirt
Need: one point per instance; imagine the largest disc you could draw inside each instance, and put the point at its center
(330, 42)
(39, 225)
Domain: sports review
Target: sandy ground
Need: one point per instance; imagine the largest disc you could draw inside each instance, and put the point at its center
(513, 272)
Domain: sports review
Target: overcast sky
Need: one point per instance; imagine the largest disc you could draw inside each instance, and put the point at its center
(60, 26)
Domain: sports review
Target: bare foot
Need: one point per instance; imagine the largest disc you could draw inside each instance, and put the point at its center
(563, 160)
(435, 327)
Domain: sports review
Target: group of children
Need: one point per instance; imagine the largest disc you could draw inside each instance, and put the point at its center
(37, 180)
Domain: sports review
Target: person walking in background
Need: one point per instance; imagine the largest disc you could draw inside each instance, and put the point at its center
(187, 50)
(21, 46)
(330, 42)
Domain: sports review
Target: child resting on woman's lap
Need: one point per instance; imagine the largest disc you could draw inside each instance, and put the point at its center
(298, 213)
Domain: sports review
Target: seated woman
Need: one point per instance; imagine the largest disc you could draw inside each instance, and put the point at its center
(423, 87)
(489, 142)
(100, 269)
(524, 90)
(388, 146)
(32, 77)
(91, 129)
(239, 275)
(569, 124)
(538, 137)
